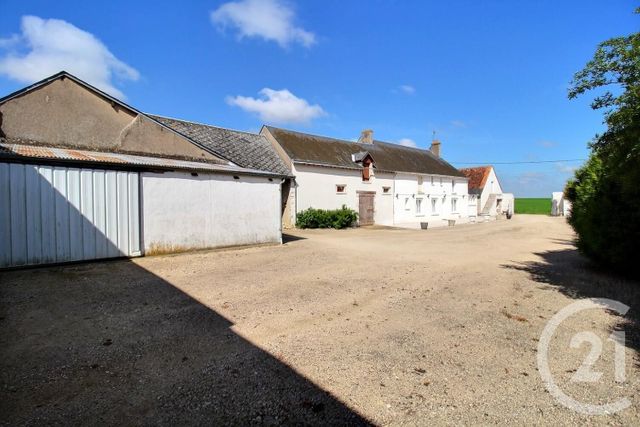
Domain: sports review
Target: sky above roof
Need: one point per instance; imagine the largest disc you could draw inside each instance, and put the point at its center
(490, 78)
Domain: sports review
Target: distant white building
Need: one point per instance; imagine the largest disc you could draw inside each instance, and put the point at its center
(486, 199)
(560, 206)
(385, 183)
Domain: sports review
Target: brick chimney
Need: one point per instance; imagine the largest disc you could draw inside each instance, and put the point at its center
(366, 137)
(435, 147)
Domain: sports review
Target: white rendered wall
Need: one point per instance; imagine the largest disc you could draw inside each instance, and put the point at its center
(434, 187)
(492, 186)
(559, 204)
(473, 205)
(317, 189)
(182, 212)
(508, 203)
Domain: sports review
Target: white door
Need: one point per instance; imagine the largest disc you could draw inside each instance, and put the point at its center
(57, 214)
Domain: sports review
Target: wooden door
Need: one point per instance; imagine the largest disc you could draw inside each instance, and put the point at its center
(365, 214)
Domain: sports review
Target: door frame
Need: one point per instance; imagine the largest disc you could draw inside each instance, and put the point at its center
(372, 195)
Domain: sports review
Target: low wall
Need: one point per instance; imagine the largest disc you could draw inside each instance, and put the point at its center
(184, 212)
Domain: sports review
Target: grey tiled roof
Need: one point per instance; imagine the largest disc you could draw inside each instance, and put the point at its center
(248, 150)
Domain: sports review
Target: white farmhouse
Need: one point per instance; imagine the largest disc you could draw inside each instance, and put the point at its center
(486, 199)
(385, 183)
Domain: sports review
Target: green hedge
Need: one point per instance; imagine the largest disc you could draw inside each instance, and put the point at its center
(605, 192)
(322, 218)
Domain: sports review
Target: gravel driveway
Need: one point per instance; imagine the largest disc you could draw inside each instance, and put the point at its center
(359, 326)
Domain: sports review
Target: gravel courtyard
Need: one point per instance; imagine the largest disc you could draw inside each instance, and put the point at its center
(371, 325)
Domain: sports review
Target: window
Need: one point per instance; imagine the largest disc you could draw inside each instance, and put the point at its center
(341, 189)
(434, 206)
(407, 206)
(418, 206)
(454, 205)
(420, 184)
(431, 180)
(386, 190)
(453, 185)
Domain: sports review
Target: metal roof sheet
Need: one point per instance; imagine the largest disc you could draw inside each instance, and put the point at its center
(10, 150)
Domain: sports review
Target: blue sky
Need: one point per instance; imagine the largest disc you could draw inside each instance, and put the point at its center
(490, 77)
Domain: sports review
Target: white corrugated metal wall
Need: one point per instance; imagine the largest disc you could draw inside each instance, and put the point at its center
(57, 214)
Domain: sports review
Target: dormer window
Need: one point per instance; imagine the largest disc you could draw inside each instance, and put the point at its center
(364, 159)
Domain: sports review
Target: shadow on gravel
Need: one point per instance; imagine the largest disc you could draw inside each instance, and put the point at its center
(113, 343)
(572, 274)
(286, 238)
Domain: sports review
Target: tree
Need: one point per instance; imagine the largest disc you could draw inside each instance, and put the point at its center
(606, 191)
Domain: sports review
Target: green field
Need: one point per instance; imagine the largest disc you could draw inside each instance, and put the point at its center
(533, 206)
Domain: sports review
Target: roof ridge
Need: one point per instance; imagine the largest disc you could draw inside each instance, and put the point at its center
(404, 146)
(478, 167)
(311, 134)
(353, 142)
(202, 124)
(65, 74)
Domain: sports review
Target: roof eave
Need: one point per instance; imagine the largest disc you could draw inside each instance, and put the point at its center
(309, 163)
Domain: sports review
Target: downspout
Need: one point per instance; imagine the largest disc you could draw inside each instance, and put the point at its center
(141, 214)
(295, 211)
(393, 213)
(282, 180)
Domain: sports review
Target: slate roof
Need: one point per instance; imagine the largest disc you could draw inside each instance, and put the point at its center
(306, 148)
(360, 156)
(477, 178)
(248, 150)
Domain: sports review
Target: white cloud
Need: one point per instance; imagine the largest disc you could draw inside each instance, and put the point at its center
(279, 106)
(271, 20)
(531, 178)
(406, 142)
(566, 169)
(533, 183)
(10, 41)
(547, 144)
(47, 46)
(407, 89)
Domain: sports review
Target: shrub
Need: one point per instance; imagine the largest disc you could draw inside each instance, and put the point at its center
(606, 192)
(322, 218)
